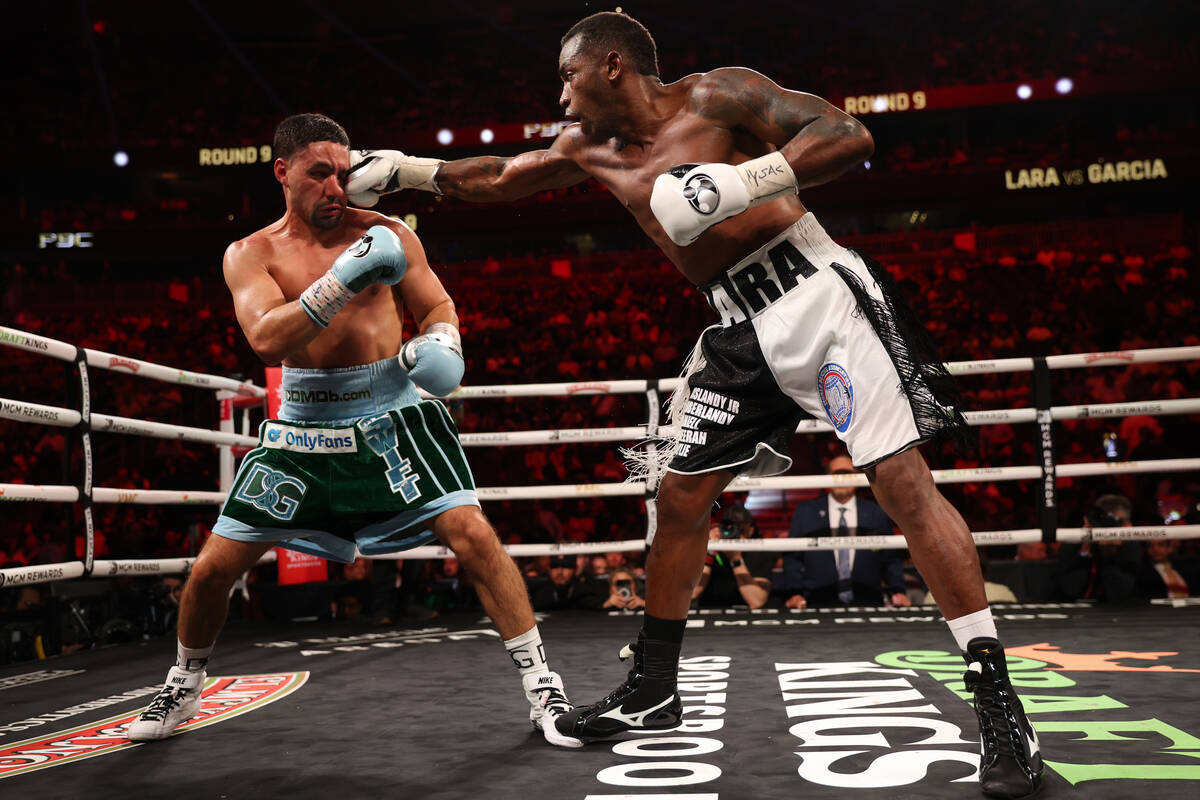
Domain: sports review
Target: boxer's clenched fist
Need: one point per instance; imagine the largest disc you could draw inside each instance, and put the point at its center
(377, 257)
(378, 172)
(689, 199)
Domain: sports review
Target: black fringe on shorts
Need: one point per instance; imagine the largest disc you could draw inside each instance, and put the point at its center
(931, 390)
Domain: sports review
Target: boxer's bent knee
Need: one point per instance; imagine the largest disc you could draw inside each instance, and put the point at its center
(468, 533)
(684, 502)
(222, 562)
(904, 484)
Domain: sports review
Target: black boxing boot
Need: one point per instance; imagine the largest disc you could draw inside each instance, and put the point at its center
(648, 700)
(1011, 761)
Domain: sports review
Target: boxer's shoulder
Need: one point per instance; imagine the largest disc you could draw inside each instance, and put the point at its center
(717, 92)
(358, 220)
(257, 248)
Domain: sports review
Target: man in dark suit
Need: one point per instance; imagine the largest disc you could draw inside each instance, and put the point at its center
(842, 577)
(1164, 574)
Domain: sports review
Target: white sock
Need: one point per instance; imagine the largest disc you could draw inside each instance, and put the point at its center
(193, 659)
(972, 626)
(527, 652)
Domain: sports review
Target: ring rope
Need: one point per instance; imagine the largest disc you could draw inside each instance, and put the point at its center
(31, 412)
(70, 494)
(21, 411)
(41, 573)
(53, 348)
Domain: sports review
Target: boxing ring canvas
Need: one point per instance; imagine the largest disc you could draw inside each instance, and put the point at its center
(852, 703)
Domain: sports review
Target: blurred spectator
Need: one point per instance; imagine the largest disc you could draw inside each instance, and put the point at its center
(566, 588)
(996, 592)
(728, 577)
(842, 577)
(162, 605)
(1164, 573)
(450, 588)
(1101, 569)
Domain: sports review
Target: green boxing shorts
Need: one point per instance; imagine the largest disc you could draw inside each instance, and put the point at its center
(372, 483)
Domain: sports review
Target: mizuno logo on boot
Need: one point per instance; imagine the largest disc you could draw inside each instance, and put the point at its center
(636, 719)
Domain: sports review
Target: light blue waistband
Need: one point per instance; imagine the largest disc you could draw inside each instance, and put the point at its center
(345, 393)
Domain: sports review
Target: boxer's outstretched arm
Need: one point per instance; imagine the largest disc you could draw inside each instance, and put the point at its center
(819, 140)
(496, 179)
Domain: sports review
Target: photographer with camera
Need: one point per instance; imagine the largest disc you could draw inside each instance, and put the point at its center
(623, 591)
(1102, 569)
(728, 577)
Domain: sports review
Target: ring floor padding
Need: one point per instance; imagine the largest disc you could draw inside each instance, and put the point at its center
(437, 711)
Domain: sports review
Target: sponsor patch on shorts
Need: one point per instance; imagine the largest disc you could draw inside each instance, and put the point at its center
(277, 436)
(837, 395)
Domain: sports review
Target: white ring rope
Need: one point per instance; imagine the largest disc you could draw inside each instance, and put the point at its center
(69, 494)
(985, 367)
(42, 345)
(21, 411)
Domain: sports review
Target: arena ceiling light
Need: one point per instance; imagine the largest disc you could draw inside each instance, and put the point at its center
(121, 158)
(486, 135)
(1024, 91)
(1064, 85)
(445, 136)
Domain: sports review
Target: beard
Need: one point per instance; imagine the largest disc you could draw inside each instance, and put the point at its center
(326, 223)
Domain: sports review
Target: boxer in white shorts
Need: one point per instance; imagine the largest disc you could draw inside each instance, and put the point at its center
(798, 339)
(710, 167)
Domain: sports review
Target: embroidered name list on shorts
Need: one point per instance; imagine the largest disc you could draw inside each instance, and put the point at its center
(309, 440)
(704, 406)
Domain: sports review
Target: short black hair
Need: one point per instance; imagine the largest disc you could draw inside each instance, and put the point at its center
(1117, 505)
(612, 30)
(300, 130)
(738, 514)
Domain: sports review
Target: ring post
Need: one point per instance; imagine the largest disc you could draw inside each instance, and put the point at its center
(1048, 498)
(85, 488)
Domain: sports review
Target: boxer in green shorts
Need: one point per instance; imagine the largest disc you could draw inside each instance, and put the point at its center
(356, 461)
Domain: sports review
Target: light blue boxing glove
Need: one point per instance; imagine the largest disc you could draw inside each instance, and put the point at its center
(434, 359)
(378, 257)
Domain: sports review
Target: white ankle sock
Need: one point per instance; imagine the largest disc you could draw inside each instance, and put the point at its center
(527, 652)
(971, 626)
(192, 659)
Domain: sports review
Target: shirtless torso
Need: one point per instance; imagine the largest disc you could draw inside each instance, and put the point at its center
(694, 133)
(729, 115)
(274, 265)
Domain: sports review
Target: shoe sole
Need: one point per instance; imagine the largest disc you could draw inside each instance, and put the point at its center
(559, 739)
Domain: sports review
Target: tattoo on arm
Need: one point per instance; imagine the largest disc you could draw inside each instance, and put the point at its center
(753, 101)
(471, 178)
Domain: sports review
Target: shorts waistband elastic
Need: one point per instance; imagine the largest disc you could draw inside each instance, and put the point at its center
(345, 393)
(760, 279)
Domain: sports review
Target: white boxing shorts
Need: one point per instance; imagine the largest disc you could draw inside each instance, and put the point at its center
(808, 329)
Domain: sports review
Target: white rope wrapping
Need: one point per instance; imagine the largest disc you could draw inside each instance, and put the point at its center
(69, 494)
(17, 576)
(983, 367)
(42, 345)
(21, 411)
(31, 412)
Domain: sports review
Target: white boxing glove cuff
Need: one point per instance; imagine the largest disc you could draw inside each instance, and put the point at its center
(419, 173)
(767, 177)
(324, 298)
